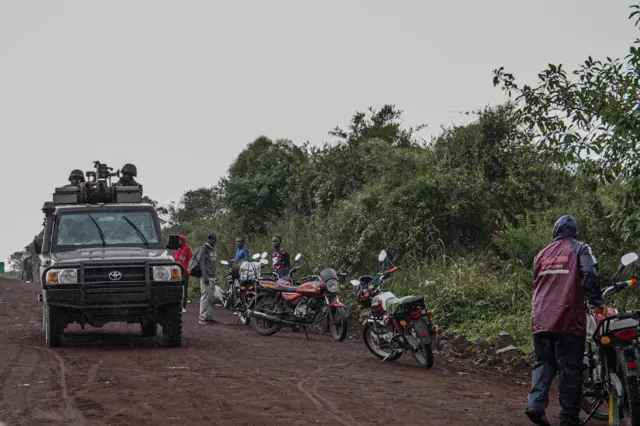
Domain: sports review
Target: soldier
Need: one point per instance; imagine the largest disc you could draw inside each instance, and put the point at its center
(76, 177)
(128, 171)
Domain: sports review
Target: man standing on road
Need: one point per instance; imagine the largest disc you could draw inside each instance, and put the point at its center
(280, 258)
(183, 255)
(207, 261)
(564, 273)
(242, 251)
(27, 269)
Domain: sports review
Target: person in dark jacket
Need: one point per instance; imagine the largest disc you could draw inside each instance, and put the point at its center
(129, 172)
(564, 274)
(27, 269)
(76, 177)
(207, 260)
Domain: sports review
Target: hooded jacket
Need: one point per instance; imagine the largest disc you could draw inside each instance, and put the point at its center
(207, 259)
(183, 255)
(564, 273)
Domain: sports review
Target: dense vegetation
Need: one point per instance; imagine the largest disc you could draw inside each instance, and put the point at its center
(463, 214)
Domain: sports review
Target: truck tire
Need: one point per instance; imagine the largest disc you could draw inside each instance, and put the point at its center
(54, 324)
(172, 327)
(149, 328)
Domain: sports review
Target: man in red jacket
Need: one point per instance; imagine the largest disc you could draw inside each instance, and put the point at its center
(183, 255)
(564, 274)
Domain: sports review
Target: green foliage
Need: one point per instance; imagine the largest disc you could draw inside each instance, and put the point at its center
(378, 187)
(592, 112)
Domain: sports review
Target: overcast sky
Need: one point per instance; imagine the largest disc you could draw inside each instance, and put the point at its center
(180, 87)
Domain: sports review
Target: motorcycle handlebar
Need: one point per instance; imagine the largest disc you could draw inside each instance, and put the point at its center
(391, 271)
(626, 284)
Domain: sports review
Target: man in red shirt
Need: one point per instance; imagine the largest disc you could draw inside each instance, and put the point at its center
(564, 274)
(183, 255)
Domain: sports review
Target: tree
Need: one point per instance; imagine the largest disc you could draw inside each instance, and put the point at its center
(383, 123)
(262, 182)
(194, 204)
(592, 113)
(163, 212)
(15, 260)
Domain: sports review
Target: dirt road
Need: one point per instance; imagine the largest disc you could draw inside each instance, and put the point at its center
(228, 375)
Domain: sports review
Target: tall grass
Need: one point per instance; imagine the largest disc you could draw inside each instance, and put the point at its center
(472, 296)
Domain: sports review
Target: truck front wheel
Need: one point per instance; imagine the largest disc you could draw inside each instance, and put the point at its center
(54, 323)
(172, 326)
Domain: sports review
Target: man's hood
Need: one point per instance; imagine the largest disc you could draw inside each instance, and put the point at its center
(110, 253)
(565, 227)
(183, 238)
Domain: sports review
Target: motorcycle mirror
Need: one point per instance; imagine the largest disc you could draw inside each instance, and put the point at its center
(625, 261)
(355, 283)
(628, 259)
(264, 262)
(382, 256)
(264, 255)
(256, 256)
(298, 257)
(224, 262)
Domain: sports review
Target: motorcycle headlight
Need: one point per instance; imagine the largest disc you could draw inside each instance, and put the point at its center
(167, 273)
(333, 286)
(62, 276)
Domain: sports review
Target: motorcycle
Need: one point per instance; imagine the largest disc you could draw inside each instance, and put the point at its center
(279, 304)
(242, 280)
(611, 359)
(396, 325)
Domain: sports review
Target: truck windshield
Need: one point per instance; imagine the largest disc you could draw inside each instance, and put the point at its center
(79, 229)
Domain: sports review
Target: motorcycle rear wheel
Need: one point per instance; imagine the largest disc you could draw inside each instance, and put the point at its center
(368, 337)
(424, 355)
(264, 304)
(632, 411)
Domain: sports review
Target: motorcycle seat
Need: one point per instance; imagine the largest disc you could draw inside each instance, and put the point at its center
(393, 305)
(286, 288)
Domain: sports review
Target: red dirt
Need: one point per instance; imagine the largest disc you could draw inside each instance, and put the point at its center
(226, 374)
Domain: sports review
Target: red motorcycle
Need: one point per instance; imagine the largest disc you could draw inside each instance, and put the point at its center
(278, 303)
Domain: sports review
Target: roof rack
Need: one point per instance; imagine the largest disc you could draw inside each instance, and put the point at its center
(98, 189)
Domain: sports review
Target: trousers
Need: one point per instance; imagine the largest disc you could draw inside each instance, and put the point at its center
(561, 354)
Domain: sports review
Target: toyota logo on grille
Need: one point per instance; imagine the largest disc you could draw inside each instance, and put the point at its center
(115, 275)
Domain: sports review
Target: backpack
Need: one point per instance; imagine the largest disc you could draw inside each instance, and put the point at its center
(194, 266)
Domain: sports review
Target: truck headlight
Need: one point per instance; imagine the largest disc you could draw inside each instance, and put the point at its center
(62, 276)
(167, 273)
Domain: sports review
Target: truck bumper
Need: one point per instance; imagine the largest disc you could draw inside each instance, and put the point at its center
(136, 289)
(157, 294)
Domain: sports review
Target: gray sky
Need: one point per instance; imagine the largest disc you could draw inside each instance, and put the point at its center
(180, 87)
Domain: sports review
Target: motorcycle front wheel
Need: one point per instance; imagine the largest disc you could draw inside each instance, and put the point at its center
(380, 349)
(338, 326)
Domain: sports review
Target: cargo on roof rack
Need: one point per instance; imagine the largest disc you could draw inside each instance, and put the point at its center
(98, 189)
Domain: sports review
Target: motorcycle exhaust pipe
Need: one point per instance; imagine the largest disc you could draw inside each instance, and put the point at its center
(268, 317)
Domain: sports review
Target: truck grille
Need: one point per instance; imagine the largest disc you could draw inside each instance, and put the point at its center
(130, 274)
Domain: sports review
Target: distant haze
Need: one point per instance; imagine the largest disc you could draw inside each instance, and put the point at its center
(180, 87)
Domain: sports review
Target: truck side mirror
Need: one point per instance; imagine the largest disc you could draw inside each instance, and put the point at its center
(37, 245)
(174, 242)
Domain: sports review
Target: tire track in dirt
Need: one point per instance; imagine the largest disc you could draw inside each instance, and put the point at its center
(70, 409)
(318, 400)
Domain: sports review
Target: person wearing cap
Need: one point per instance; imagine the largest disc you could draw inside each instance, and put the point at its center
(207, 260)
